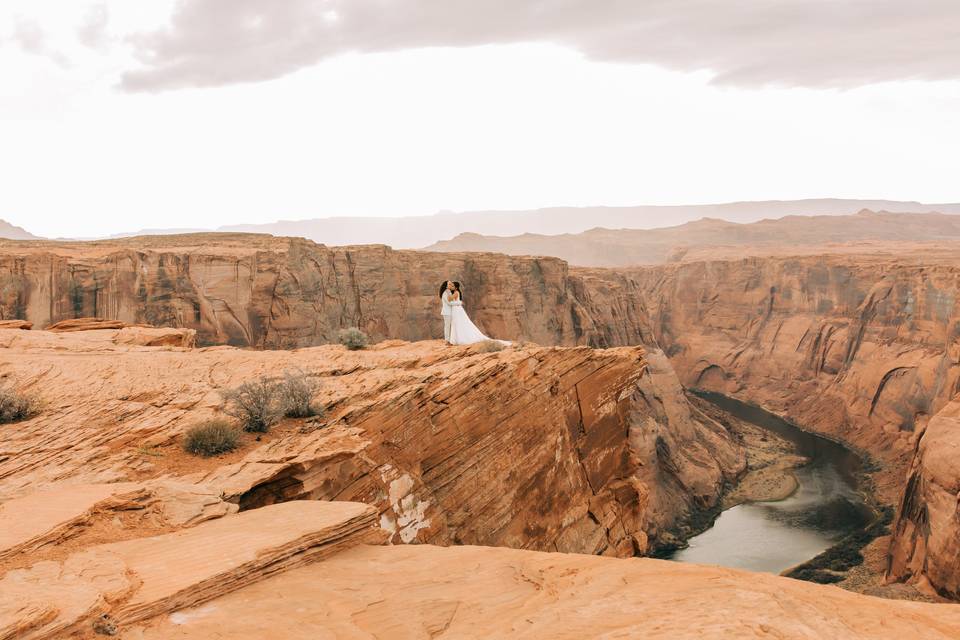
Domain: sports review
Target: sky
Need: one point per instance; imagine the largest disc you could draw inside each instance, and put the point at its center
(117, 116)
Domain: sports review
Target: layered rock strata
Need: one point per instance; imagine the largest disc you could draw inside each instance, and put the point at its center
(248, 290)
(925, 546)
(146, 577)
(865, 349)
(579, 449)
(480, 592)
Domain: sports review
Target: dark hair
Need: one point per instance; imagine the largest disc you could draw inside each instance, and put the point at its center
(456, 286)
(443, 287)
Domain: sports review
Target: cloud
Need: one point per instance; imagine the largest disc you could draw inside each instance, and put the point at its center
(810, 43)
(93, 29)
(28, 35)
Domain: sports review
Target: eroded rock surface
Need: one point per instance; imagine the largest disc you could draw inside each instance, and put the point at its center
(480, 592)
(926, 537)
(142, 578)
(582, 450)
(250, 290)
(864, 348)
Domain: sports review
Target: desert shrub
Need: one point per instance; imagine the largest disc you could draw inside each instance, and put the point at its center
(295, 394)
(255, 404)
(490, 346)
(353, 338)
(210, 438)
(16, 405)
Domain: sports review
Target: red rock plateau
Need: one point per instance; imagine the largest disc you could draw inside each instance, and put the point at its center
(538, 449)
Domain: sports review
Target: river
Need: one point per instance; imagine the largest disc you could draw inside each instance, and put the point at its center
(775, 536)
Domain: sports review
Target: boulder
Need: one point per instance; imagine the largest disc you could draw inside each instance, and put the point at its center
(16, 324)
(85, 324)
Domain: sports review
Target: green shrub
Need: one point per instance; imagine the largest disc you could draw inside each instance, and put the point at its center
(490, 346)
(16, 405)
(353, 338)
(295, 394)
(255, 404)
(210, 438)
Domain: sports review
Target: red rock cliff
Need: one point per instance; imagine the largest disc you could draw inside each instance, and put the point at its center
(863, 348)
(288, 292)
(580, 450)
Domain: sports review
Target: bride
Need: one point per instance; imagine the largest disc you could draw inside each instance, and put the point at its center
(462, 329)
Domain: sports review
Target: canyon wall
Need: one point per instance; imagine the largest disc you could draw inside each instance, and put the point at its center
(865, 349)
(926, 536)
(861, 348)
(288, 292)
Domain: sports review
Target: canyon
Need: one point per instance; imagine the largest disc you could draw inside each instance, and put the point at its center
(573, 450)
(612, 456)
(108, 527)
(266, 292)
(591, 447)
(863, 349)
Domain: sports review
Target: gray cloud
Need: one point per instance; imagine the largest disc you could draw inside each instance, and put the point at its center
(811, 43)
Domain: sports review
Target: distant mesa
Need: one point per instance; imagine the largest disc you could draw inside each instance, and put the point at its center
(476, 227)
(415, 232)
(709, 238)
(13, 232)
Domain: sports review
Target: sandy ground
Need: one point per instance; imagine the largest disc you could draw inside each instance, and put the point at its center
(770, 460)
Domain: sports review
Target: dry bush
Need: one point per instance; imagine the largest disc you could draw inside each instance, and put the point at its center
(211, 438)
(16, 405)
(353, 338)
(490, 346)
(295, 393)
(255, 404)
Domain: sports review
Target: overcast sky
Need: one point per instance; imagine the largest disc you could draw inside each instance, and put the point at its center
(122, 115)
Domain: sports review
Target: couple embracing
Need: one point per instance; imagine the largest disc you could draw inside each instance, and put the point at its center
(457, 326)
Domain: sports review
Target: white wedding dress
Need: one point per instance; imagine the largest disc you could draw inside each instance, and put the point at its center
(462, 329)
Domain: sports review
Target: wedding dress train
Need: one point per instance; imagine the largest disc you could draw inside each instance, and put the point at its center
(462, 329)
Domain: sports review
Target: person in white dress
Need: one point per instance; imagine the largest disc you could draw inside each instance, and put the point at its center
(446, 294)
(462, 329)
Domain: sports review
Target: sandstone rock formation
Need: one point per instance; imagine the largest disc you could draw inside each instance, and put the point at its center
(926, 540)
(85, 324)
(858, 347)
(562, 449)
(16, 324)
(269, 292)
(861, 348)
(566, 449)
(480, 592)
(864, 349)
(304, 569)
(143, 578)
